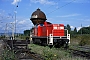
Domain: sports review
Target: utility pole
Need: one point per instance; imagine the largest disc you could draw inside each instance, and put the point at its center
(6, 29)
(15, 22)
(15, 19)
(12, 30)
(81, 29)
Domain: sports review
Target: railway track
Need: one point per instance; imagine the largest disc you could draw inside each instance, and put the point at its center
(21, 51)
(27, 55)
(81, 51)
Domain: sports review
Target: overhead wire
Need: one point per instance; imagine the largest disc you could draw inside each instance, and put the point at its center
(61, 7)
(14, 9)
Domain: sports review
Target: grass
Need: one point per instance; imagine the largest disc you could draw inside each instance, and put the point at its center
(8, 55)
(82, 40)
(53, 53)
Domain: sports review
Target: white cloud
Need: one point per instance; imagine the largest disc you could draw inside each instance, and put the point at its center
(15, 2)
(70, 15)
(78, 28)
(72, 27)
(43, 2)
(22, 22)
(87, 26)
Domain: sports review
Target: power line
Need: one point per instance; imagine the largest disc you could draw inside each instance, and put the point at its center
(14, 14)
(14, 9)
(61, 7)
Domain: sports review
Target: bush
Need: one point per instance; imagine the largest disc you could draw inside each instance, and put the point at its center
(8, 55)
(53, 53)
(85, 40)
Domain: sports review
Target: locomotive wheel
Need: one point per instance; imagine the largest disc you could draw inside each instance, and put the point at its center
(43, 42)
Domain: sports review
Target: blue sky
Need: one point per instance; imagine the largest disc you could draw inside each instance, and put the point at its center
(72, 12)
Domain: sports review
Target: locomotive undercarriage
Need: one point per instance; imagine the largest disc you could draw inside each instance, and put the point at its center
(40, 41)
(60, 43)
(57, 41)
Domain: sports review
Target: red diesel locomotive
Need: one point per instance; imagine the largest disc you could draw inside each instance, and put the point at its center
(46, 33)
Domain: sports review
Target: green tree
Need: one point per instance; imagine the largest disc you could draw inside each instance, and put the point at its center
(75, 30)
(84, 30)
(27, 32)
(68, 28)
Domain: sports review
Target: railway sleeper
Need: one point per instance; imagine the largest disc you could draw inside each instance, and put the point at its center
(81, 53)
(16, 44)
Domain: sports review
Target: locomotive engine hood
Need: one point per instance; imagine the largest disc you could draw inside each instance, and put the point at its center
(38, 17)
